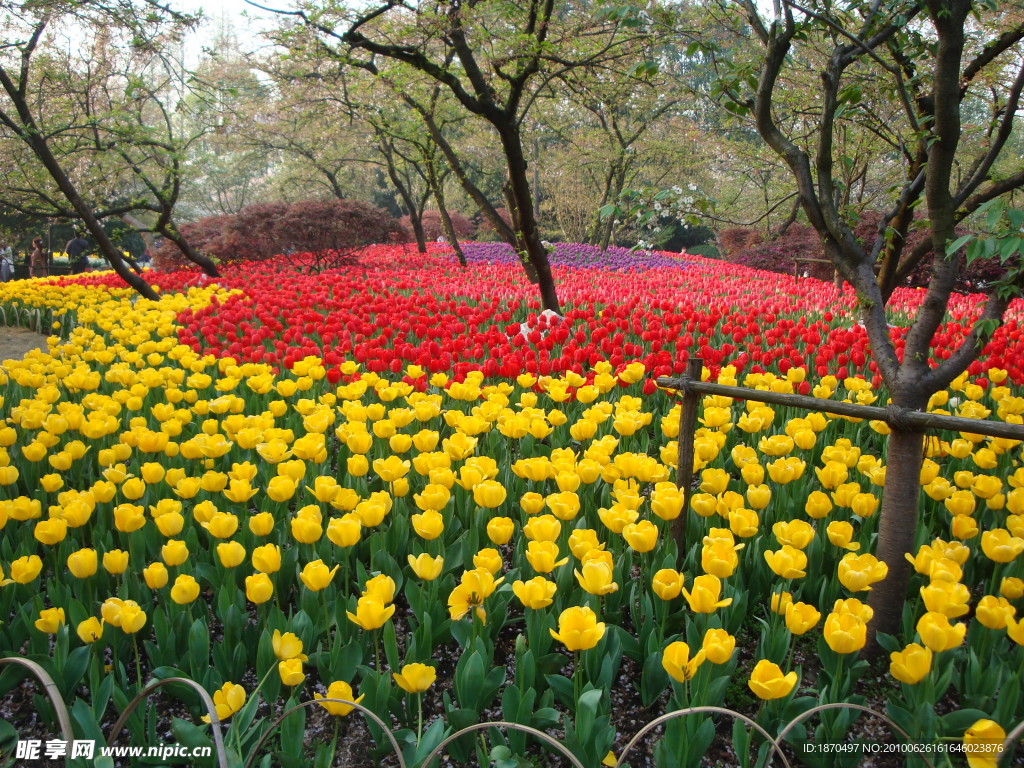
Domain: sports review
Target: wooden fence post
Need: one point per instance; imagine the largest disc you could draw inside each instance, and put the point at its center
(687, 426)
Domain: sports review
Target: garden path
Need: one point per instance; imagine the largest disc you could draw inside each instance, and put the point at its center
(15, 343)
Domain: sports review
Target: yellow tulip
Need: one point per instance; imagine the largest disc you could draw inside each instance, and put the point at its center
(489, 559)
(578, 629)
(434, 496)
(841, 533)
(474, 587)
(667, 500)
(339, 690)
(667, 584)
(938, 634)
(291, 672)
(25, 569)
(858, 572)
(675, 659)
(185, 589)
(542, 528)
(306, 529)
(818, 505)
(564, 505)
(983, 744)
(489, 494)
(1000, 547)
(50, 620)
(704, 597)
(641, 536)
(90, 630)
(415, 678)
(345, 531)
(382, 587)
(801, 617)
(317, 576)
(787, 562)
(844, 632)
(796, 533)
(228, 700)
(994, 612)
(744, 522)
(535, 593)
(1011, 588)
(543, 556)
(222, 525)
(426, 567)
(174, 552)
(267, 559)
(768, 682)
(132, 618)
(258, 588)
(371, 613)
(949, 598)
(718, 646)
(50, 531)
(911, 664)
(115, 561)
(156, 575)
(596, 578)
(230, 553)
(428, 525)
(82, 563)
(287, 646)
(500, 530)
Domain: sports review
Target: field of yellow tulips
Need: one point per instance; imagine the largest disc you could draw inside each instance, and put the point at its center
(448, 549)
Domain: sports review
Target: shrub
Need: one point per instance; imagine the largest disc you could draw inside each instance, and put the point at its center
(433, 228)
(750, 248)
(313, 234)
(484, 230)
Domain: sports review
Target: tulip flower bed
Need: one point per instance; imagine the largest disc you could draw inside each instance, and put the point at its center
(378, 486)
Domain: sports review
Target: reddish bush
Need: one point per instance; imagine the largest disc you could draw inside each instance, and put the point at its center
(736, 239)
(484, 230)
(433, 228)
(326, 232)
(749, 248)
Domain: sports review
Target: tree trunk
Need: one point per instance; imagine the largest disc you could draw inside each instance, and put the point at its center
(416, 221)
(106, 247)
(446, 220)
(478, 197)
(614, 183)
(531, 250)
(897, 529)
(171, 233)
(415, 214)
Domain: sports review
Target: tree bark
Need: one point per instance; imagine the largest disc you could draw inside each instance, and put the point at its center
(415, 213)
(532, 252)
(437, 185)
(106, 247)
(169, 231)
(897, 528)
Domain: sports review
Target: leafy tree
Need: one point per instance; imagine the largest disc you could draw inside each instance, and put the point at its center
(493, 58)
(63, 114)
(312, 235)
(935, 59)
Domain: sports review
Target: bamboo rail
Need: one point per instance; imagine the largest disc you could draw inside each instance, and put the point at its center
(896, 417)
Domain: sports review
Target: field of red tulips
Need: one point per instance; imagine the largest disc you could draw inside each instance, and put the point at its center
(402, 486)
(400, 308)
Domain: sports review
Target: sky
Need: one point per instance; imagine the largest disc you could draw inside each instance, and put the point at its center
(245, 20)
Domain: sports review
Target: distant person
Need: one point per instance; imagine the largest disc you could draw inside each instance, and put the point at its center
(37, 259)
(75, 249)
(6, 264)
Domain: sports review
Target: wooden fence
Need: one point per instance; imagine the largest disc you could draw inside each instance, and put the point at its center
(692, 387)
